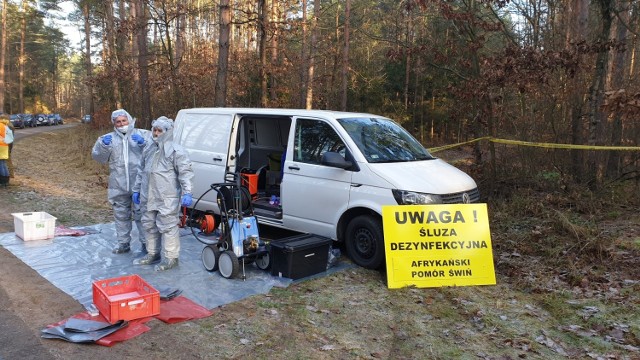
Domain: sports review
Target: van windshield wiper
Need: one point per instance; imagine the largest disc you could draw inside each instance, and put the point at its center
(386, 161)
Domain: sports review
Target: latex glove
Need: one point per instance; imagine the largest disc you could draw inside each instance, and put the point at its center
(186, 200)
(106, 139)
(136, 198)
(137, 138)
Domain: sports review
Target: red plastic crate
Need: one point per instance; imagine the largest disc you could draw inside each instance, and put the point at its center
(125, 298)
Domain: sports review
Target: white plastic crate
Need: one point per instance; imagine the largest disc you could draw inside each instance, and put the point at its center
(34, 225)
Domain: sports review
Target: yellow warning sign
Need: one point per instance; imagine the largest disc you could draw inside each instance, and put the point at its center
(438, 245)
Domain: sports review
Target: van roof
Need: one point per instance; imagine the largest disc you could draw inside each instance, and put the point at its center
(277, 111)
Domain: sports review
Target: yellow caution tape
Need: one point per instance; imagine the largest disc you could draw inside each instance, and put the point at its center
(565, 146)
(537, 144)
(446, 147)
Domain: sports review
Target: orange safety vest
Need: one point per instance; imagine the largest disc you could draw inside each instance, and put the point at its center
(4, 147)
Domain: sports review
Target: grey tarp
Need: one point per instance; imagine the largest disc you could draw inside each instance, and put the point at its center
(73, 263)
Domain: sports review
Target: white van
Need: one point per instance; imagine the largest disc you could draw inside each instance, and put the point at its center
(329, 172)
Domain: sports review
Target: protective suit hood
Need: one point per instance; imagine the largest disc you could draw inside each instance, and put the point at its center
(164, 140)
(128, 128)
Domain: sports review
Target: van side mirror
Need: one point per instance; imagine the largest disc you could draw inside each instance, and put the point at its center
(333, 159)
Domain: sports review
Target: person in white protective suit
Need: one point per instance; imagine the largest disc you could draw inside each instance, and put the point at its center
(122, 150)
(162, 186)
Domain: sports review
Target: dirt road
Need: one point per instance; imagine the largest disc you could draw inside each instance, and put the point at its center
(28, 302)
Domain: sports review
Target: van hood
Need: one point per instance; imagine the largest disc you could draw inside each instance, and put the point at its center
(428, 176)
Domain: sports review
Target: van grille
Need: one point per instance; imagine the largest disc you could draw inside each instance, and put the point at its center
(458, 198)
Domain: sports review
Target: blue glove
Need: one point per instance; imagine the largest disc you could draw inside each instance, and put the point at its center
(136, 198)
(186, 200)
(137, 138)
(106, 139)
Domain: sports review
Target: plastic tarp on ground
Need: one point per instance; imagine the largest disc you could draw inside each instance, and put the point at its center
(73, 263)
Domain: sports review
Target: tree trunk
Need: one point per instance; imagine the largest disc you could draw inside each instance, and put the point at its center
(3, 52)
(262, 51)
(110, 50)
(21, 61)
(335, 65)
(169, 50)
(132, 49)
(345, 57)
(596, 95)
(122, 54)
(312, 54)
(616, 81)
(303, 55)
(577, 18)
(273, 95)
(223, 54)
(143, 71)
(180, 30)
(407, 70)
(88, 66)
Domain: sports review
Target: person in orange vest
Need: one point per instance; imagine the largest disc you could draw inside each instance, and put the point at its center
(6, 138)
(5, 120)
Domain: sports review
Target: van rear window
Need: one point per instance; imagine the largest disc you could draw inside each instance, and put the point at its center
(206, 132)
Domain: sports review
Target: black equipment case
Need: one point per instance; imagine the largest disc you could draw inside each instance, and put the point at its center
(299, 256)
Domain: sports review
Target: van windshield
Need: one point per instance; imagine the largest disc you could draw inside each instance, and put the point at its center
(383, 140)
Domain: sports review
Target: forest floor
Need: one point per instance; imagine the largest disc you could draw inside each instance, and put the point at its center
(567, 268)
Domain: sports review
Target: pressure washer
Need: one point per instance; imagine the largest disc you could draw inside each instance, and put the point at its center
(239, 241)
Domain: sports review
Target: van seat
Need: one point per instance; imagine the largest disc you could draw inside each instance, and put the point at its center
(275, 159)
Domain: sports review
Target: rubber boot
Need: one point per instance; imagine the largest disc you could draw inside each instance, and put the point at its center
(121, 249)
(4, 181)
(167, 264)
(143, 250)
(147, 259)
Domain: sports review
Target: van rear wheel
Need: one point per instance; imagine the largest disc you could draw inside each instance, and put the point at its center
(365, 241)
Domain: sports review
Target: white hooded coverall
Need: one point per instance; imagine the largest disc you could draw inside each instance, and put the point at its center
(123, 156)
(165, 174)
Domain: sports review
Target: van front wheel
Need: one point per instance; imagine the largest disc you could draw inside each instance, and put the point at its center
(365, 241)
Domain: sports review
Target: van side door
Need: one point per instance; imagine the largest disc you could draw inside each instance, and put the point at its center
(314, 195)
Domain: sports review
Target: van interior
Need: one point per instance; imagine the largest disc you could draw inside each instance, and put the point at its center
(261, 145)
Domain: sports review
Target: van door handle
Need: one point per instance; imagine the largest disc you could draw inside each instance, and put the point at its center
(294, 168)
(217, 159)
(356, 185)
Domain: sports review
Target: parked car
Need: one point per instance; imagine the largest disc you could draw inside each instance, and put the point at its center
(41, 119)
(29, 120)
(17, 121)
(55, 119)
(87, 119)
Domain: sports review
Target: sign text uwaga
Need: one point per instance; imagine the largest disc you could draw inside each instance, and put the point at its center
(438, 245)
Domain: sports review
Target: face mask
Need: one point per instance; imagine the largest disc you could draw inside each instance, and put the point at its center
(123, 129)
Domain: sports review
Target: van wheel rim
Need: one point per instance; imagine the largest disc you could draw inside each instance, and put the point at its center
(365, 243)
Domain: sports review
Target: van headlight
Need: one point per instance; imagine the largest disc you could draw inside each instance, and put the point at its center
(404, 197)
